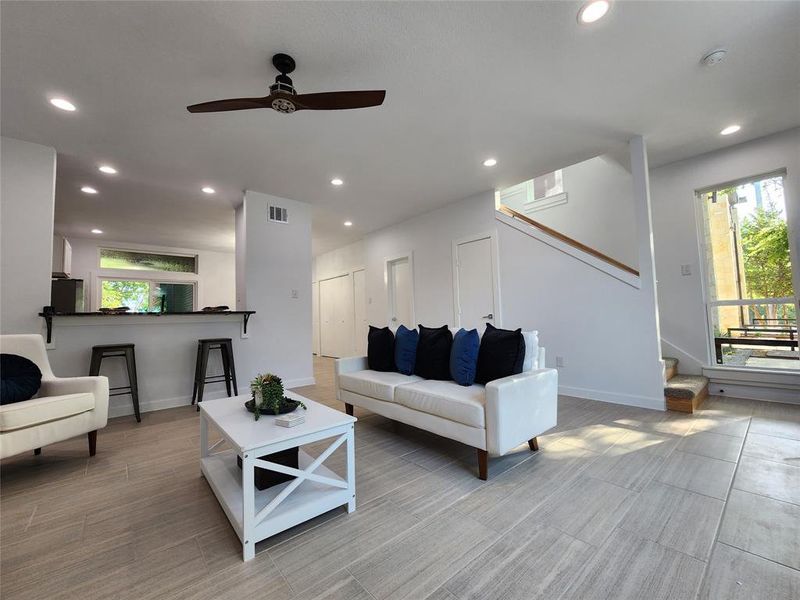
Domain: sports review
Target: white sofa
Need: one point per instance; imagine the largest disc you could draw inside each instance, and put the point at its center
(64, 407)
(494, 418)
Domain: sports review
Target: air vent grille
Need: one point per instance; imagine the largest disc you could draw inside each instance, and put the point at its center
(278, 214)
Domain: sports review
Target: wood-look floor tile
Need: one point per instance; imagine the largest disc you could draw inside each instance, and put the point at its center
(712, 445)
(309, 557)
(587, 508)
(730, 426)
(736, 575)
(675, 518)
(763, 526)
(695, 473)
(776, 480)
(632, 469)
(511, 496)
(339, 586)
(435, 491)
(768, 447)
(776, 427)
(631, 568)
(415, 564)
(532, 561)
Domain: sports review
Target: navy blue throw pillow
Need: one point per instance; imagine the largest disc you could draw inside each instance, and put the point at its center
(464, 356)
(20, 378)
(433, 353)
(501, 354)
(405, 349)
(380, 349)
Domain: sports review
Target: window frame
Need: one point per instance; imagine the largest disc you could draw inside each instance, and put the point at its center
(192, 255)
(150, 280)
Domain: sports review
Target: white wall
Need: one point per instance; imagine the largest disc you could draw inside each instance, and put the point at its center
(682, 310)
(276, 265)
(604, 329)
(27, 200)
(600, 208)
(215, 279)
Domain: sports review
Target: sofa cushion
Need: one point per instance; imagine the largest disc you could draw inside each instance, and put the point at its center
(531, 361)
(380, 349)
(433, 353)
(20, 378)
(502, 353)
(446, 399)
(375, 384)
(464, 356)
(405, 349)
(42, 410)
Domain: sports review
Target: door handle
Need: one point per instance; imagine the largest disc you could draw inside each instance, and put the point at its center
(489, 316)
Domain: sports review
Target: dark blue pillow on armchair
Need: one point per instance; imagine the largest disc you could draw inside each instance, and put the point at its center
(405, 349)
(20, 378)
(464, 356)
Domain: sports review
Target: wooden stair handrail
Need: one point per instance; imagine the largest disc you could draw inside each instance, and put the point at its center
(567, 240)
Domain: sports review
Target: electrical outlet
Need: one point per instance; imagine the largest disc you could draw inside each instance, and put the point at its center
(559, 361)
(686, 270)
(295, 294)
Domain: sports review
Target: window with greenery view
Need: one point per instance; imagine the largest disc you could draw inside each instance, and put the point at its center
(147, 296)
(111, 258)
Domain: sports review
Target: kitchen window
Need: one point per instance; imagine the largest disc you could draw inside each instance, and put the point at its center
(146, 295)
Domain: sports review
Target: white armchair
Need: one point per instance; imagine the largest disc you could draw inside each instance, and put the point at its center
(65, 406)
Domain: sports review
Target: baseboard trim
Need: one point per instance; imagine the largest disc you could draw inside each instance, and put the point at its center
(294, 383)
(656, 403)
(125, 407)
(754, 392)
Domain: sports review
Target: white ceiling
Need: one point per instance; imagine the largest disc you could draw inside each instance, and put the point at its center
(520, 81)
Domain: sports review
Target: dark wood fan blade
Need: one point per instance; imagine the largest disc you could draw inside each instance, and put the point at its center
(230, 104)
(338, 100)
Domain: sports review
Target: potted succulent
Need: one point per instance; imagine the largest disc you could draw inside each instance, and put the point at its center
(268, 396)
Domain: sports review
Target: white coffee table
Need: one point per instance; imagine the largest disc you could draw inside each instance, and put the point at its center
(258, 514)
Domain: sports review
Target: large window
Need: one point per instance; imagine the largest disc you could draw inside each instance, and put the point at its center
(112, 258)
(752, 305)
(141, 295)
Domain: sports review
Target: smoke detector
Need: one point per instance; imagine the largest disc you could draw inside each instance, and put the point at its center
(714, 57)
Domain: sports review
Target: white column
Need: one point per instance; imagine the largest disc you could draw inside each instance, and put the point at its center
(647, 265)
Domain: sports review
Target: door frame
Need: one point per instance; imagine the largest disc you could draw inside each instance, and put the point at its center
(387, 260)
(338, 275)
(492, 236)
(353, 272)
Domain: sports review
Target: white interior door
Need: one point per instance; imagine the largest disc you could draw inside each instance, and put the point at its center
(475, 301)
(401, 304)
(315, 317)
(360, 313)
(336, 316)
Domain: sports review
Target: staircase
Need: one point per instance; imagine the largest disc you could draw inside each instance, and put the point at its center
(683, 393)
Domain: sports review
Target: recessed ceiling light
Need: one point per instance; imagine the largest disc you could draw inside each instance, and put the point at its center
(336, 181)
(490, 162)
(730, 129)
(88, 190)
(593, 11)
(108, 169)
(348, 223)
(63, 104)
(209, 190)
(97, 231)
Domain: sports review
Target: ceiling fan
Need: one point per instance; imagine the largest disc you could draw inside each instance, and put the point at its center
(283, 97)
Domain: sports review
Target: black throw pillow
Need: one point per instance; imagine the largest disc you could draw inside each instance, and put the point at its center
(433, 353)
(20, 378)
(501, 354)
(380, 349)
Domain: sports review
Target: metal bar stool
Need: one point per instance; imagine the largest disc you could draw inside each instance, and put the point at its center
(119, 351)
(225, 346)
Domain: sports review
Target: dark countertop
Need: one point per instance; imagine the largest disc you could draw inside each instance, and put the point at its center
(146, 314)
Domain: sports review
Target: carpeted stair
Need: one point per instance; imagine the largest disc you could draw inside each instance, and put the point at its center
(683, 393)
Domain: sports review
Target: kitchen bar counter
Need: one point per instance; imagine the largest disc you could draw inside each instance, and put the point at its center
(49, 316)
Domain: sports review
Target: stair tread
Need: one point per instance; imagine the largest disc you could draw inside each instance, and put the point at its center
(685, 386)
